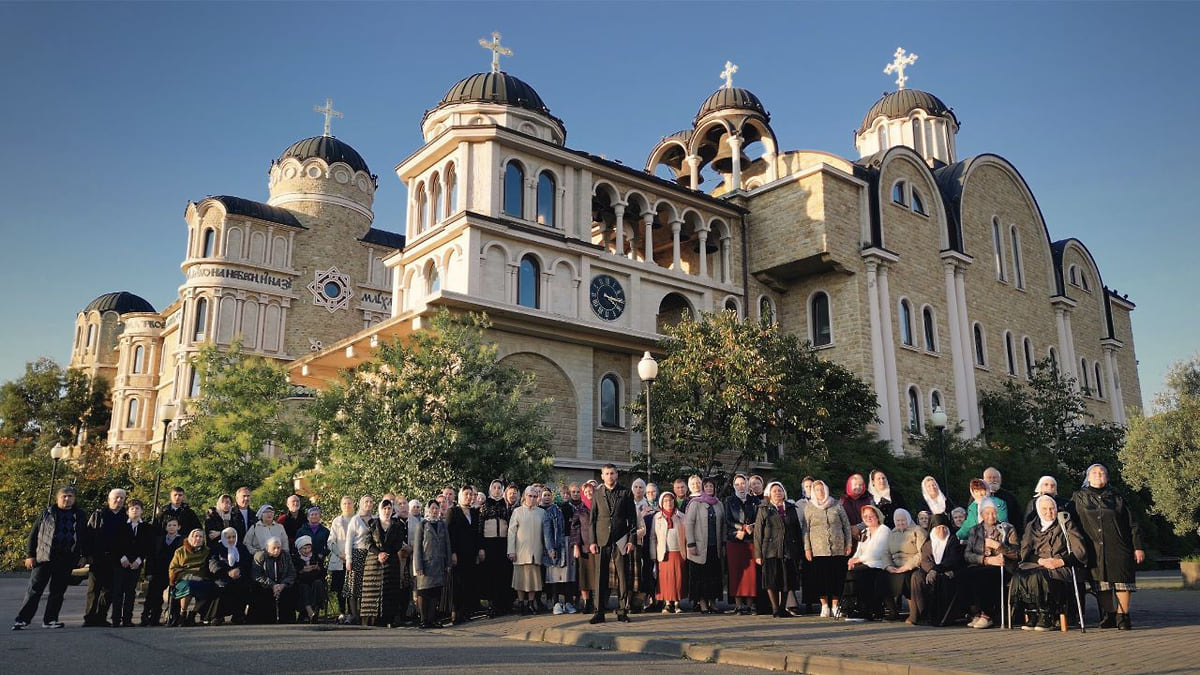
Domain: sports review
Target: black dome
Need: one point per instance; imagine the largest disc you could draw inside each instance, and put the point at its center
(901, 103)
(495, 88)
(327, 148)
(121, 303)
(732, 97)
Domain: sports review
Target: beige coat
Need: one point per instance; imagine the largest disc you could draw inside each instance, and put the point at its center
(658, 534)
(905, 547)
(696, 520)
(525, 538)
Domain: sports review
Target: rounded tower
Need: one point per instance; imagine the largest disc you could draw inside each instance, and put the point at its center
(495, 98)
(317, 173)
(909, 117)
(97, 330)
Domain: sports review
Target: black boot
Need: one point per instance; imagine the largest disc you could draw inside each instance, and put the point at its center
(1123, 622)
(1109, 620)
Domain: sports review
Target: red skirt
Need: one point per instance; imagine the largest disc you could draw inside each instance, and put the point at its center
(743, 580)
(670, 577)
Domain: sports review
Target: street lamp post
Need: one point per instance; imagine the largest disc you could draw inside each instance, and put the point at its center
(56, 453)
(168, 416)
(938, 419)
(648, 371)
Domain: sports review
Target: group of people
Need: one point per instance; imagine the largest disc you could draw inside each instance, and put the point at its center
(466, 554)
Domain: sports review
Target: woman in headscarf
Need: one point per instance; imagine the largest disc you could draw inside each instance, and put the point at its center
(218, 518)
(826, 547)
(557, 560)
(667, 542)
(777, 546)
(357, 543)
(884, 496)
(580, 536)
(1049, 548)
(1115, 544)
(865, 568)
(855, 498)
(264, 530)
(647, 582)
(528, 545)
(705, 520)
(937, 502)
(741, 510)
(979, 492)
(337, 554)
(933, 585)
(904, 550)
(187, 577)
(381, 588)
(637, 487)
(231, 567)
(1046, 485)
(432, 560)
(991, 545)
(274, 599)
(310, 578)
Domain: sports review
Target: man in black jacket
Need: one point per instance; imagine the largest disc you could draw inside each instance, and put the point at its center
(103, 526)
(614, 520)
(244, 516)
(57, 542)
(133, 546)
(466, 542)
(179, 510)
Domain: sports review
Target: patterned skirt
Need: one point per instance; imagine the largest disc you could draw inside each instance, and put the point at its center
(353, 586)
(381, 587)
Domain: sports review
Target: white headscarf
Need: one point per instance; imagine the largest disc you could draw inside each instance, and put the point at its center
(231, 552)
(1052, 479)
(744, 492)
(938, 505)
(938, 544)
(879, 495)
(824, 503)
(767, 491)
(906, 514)
(1046, 524)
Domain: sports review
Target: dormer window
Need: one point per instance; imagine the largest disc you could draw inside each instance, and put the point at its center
(918, 204)
(514, 190)
(898, 193)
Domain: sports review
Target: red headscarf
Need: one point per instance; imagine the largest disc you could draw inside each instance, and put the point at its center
(849, 480)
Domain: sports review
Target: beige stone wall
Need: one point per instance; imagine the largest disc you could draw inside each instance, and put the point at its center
(552, 383)
(1126, 359)
(1089, 325)
(612, 444)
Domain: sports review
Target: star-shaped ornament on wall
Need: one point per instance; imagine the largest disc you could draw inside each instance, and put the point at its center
(331, 289)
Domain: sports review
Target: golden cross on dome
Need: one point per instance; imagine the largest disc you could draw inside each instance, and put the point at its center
(898, 64)
(727, 74)
(496, 49)
(329, 113)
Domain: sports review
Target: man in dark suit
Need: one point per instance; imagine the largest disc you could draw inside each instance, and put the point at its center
(466, 543)
(614, 521)
(244, 517)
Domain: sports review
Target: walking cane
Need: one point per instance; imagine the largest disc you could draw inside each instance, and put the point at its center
(1005, 620)
(1063, 517)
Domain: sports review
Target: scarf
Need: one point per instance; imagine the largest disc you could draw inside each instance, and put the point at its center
(1037, 493)
(937, 505)
(706, 499)
(878, 496)
(823, 503)
(938, 544)
(669, 515)
(231, 552)
(1046, 524)
(742, 494)
(907, 515)
(849, 492)
(263, 509)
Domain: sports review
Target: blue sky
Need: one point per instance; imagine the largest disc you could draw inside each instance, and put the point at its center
(115, 115)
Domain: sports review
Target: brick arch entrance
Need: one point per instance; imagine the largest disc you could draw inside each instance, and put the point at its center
(552, 383)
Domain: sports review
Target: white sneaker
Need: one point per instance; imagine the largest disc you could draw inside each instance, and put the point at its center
(558, 608)
(824, 611)
(982, 622)
(570, 609)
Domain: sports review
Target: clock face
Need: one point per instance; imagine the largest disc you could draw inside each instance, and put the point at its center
(608, 298)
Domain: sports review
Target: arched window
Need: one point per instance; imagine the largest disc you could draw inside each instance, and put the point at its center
(422, 209)
(435, 199)
(732, 306)
(898, 193)
(1083, 280)
(201, 321)
(1083, 370)
(1028, 347)
(194, 384)
(819, 323)
(918, 138)
(433, 279)
(514, 190)
(930, 328)
(451, 190)
(980, 347)
(528, 291)
(1073, 275)
(998, 247)
(210, 242)
(1099, 385)
(918, 204)
(131, 414)
(906, 323)
(545, 199)
(1009, 353)
(1018, 273)
(139, 359)
(91, 339)
(766, 310)
(935, 399)
(78, 334)
(914, 410)
(610, 402)
(1053, 359)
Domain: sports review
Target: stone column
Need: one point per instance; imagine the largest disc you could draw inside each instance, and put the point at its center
(725, 244)
(889, 359)
(619, 226)
(960, 292)
(702, 239)
(879, 368)
(648, 223)
(961, 358)
(676, 225)
(694, 162)
(1069, 354)
(735, 145)
(1114, 396)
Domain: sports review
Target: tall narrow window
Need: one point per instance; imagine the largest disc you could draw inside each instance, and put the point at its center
(194, 384)
(451, 190)
(139, 359)
(91, 339)
(545, 199)
(918, 204)
(435, 199)
(980, 349)
(528, 291)
(930, 329)
(433, 280)
(1083, 280)
(914, 411)
(1099, 385)
(818, 312)
(514, 190)
(918, 137)
(1018, 273)
(1072, 275)
(906, 323)
(1054, 359)
(1027, 344)
(998, 246)
(898, 195)
(422, 209)
(131, 414)
(1009, 353)
(610, 402)
(935, 399)
(1083, 370)
(201, 321)
(210, 242)
(766, 310)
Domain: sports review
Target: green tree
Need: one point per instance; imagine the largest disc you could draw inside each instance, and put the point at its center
(1162, 452)
(48, 401)
(738, 392)
(236, 427)
(435, 410)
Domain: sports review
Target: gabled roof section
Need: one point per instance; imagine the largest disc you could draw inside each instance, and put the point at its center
(252, 209)
(383, 238)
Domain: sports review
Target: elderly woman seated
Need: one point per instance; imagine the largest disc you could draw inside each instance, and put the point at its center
(189, 579)
(933, 586)
(232, 567)
(991, 551)
(904, 550)
(979, 492)
(310, 578)
(274, 579)
(867, 565)
(1049, 549)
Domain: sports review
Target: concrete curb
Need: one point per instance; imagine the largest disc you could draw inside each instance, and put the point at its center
(792, 662)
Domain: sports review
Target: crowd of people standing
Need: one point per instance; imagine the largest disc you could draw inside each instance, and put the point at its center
(467, 554)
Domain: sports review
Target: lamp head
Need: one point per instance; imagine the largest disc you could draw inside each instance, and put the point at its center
(938, 418)
(58, 451)
(648, 368)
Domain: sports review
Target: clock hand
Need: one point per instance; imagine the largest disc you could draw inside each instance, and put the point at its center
(616, 300)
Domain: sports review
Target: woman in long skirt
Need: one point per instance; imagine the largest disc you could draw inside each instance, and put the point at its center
(668, 542)
(431, 563)
(777, 546)
(358, 535)
(381, 595)
(740, 511)
(580, 535)
(497, 568)
(557, 558)
(527, 545)
(648, 579)
(705, 520)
